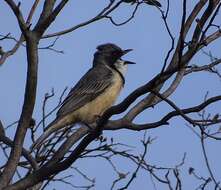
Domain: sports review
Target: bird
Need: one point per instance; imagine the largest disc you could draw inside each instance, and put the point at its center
(94, 93)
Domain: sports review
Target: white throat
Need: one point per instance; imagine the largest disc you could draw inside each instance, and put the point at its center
(121, 66)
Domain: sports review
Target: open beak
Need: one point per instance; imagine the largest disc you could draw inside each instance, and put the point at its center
(126, 51)
(129, 62)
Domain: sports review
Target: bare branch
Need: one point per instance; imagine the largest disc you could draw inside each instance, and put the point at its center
(25, 153)
(46, 12)
(19, 42)
(27, 109)
(127, 20)
(99, 16)
(47, 17)
(208, 68)
(32, 11)
(145, 143)
(51, 47)
(18, 14)
(164, 121)
(207, 161)
(164, 17)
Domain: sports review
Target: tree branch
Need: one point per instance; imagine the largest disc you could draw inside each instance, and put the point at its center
(101, 15)
(27, 109)
(48, 15)
(122, 124)
(25, 153)
(18, 14)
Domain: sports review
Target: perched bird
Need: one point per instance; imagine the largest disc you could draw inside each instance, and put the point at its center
(95, 92)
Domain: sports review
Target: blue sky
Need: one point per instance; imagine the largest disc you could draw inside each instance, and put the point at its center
(147, 35)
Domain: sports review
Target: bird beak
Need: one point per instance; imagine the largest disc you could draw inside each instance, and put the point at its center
(129, 62)
(126, 51)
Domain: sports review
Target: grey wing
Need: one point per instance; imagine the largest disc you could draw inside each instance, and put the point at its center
(93, 83)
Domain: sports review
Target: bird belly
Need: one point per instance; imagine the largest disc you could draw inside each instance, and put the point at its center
(89, 112)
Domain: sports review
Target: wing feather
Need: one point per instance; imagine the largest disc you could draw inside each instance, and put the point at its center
(93, 83)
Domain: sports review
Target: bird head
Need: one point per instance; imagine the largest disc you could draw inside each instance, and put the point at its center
(109, 54)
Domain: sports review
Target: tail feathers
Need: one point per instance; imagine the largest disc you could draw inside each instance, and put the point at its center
(37, 144)
(52, 127)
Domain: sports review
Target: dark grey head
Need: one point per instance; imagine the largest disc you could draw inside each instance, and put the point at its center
(108, 54)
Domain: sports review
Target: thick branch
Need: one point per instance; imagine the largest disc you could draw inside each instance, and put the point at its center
(164, 121)
(26, 115)
(18, 14)
(5, 55)
(47, 10)
(42, 25)
(177, 59)
(25, 153)
(31, 13)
